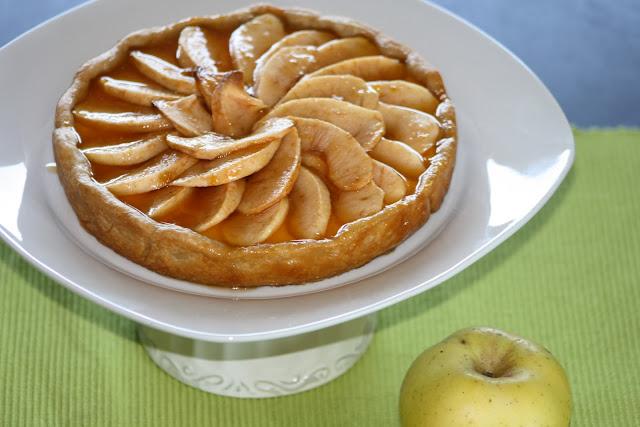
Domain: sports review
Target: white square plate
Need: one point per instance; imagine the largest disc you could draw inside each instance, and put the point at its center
(515, 148)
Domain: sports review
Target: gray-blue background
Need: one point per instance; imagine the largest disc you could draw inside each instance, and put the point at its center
(586, 51)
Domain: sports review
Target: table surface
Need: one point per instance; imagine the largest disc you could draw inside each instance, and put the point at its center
(586, 51)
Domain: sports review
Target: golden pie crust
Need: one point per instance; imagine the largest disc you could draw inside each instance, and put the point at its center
(181, 253)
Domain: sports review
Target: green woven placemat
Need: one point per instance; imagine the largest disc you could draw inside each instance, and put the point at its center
(569, 279)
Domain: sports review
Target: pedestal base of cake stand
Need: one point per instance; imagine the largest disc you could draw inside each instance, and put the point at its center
(261, 369)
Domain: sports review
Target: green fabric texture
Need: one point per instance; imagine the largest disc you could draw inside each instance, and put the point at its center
(568, 280)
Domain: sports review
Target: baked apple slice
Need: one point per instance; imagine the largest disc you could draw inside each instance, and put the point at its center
(281, 72)
(168, 199)
(216, 204)
(240, 164)
(233, 110)
(297, 38)
(134, 92)
(348, 165)
(353, 205)
(273, 182)
(390, 181)
(399, 156)
(315, 162)
(245, 230)
(365, 125)
(187, 115)
(415, 128)
(406, 94)
(164, 73)
(343, 87)
(124, 122)
(341, 49)
(128, 153)
(151, 175)
(193, 50)
(310, 206)
(250, 40)
(213, 145)
(367, 68)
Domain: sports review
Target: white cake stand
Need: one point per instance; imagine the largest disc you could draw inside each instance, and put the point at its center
(260, 369)
(515, 148)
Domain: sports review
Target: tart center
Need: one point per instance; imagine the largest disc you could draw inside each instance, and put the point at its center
(260, 135)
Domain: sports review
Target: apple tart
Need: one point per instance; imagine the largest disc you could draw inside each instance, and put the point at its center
(267, 146)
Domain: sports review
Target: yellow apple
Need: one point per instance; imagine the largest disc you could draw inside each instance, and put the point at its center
(485, 377)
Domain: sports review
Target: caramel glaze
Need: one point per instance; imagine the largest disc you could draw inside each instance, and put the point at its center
(98, 100)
